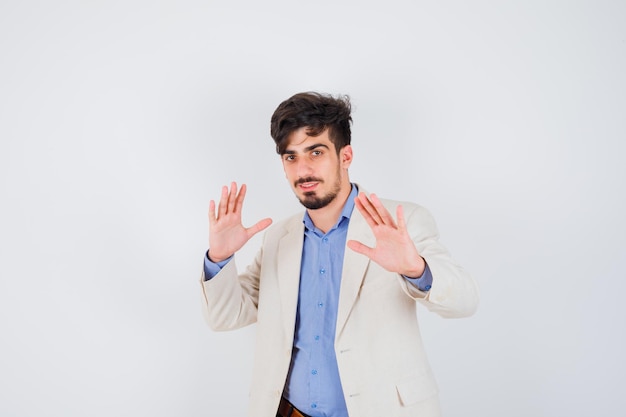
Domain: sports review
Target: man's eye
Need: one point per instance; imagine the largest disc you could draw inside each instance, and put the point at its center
(289, 158)
(316, 153)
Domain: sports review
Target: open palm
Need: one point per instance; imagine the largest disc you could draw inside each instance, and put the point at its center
(226, 232)
(394, 250)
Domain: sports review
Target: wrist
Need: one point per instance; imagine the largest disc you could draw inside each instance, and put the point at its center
(215, 258)
(416, 270)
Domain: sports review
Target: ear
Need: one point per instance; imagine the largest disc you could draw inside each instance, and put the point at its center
(345, 155)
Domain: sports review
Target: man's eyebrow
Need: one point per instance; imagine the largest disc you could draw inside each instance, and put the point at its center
(307, 149)
(315, 145)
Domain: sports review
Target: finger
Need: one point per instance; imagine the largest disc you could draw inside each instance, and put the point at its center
(369, 207)
(366, 215)
(259, 226)
(400, 217)
(223, 203)
(240, 198)
(212, 218)
(232, 197)
(382, 211)
(358, 247)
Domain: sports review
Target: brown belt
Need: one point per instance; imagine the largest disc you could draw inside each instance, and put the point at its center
(286, 409)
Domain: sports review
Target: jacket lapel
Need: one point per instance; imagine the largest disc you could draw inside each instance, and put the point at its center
(354, 267)
(290, 256)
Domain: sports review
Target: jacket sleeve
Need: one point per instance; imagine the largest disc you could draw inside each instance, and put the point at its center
(453, 293)
(230, 301)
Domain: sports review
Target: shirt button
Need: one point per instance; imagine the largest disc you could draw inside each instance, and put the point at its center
(428, 287)
(314, 372)
(322, 271)
(325, 240)
(317, 338)
(313, 405)
(320, 305)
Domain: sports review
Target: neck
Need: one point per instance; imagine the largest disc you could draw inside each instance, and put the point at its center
(326, 217)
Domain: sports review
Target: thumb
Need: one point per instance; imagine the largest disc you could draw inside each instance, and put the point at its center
(358, 247)
(258, 227)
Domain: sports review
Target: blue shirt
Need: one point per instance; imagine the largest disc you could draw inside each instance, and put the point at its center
(313, 384)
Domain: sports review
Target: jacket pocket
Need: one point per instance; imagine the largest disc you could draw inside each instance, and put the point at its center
(414, 390)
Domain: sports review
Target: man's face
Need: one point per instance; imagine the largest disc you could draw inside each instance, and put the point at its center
(313, 168)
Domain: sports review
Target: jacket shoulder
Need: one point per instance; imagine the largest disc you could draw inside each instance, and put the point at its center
(284, 226)
(413, 213)
(409, 207)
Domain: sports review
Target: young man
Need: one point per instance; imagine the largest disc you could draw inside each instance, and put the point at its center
(332, 290)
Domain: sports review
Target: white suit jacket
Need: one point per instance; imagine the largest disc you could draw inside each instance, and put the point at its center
(382, 364)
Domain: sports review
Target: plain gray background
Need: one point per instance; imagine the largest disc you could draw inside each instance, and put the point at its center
(120, 120)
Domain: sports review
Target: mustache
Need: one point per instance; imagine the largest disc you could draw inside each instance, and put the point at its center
(308, 179)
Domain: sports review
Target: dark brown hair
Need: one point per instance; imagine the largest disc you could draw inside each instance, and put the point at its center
(315, 111)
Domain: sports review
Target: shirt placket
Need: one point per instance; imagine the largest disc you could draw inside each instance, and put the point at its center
(323, 337)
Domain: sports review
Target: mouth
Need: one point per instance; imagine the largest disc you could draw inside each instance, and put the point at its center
(308, 186)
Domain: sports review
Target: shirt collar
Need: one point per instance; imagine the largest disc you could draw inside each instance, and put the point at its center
(346, 212)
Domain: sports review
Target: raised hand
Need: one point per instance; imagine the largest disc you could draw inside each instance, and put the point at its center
(394, 251)
(226, 233)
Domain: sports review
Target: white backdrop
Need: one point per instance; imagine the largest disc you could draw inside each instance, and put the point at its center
(120, 120)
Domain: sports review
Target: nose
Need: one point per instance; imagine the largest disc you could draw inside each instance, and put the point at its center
(303, 168)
